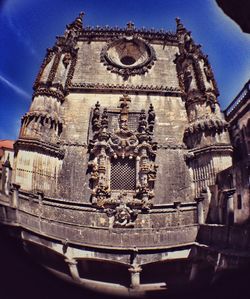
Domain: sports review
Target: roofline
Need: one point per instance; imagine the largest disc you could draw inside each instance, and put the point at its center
(239, 99)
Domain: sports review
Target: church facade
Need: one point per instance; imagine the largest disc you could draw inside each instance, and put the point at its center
(116, 162)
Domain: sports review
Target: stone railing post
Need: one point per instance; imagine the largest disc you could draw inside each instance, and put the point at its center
(15, 195)
(40, 196)
(6, 177)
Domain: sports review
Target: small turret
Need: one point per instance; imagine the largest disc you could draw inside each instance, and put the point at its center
(199, 92)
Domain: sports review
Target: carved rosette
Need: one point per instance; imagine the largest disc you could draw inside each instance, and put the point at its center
(128, 56)
(119, 144)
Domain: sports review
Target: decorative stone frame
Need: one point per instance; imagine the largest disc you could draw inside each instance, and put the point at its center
(123, 142)
(140, 66)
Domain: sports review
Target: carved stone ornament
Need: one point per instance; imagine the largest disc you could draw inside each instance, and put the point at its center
(206, 123)
(122, 215)
(66, 60)
(42, 126)
(128, 56)
(108, 146)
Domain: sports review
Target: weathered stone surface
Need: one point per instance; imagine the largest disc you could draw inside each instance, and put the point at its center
(116, 157)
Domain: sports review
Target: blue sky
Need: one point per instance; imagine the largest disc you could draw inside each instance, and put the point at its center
(28, 27)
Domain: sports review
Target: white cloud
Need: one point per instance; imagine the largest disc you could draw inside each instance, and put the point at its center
(22, 36)
(14, 87)
(10, 10)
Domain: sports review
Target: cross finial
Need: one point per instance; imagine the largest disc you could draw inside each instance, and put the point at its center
(130, 25)
(125, 99)
(179, 25)
(79, 18)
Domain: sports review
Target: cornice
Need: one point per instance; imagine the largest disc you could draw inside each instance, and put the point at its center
(40, 147)
(206, 124)
(102, 33)
(213, 148)
(160, 146)
(126, 87)
(47, 91)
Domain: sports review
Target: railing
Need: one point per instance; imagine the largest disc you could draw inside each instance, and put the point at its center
(239, 98)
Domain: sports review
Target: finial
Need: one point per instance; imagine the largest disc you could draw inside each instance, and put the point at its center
(81, 14)
(80, 18)
(130, 25)
(124, 100)
(180, 26)
(77, 24)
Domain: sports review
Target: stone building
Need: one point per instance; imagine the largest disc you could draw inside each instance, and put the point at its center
(116, 161)
(236, 179)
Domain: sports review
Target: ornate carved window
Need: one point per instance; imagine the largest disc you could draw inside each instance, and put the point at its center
(122, 158)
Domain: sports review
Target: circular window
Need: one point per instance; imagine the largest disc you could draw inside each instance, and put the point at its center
(128, 60)
(127, 56)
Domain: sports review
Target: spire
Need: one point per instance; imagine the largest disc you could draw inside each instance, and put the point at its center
(72, 31)
(78, 23)
(179, 26)
(130, 26)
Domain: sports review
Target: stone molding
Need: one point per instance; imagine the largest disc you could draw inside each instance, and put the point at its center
(215, 148)
(45, 90)
(40, 147)
(104, 33)
(126, 87)
(135, 68)
(207, 123)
